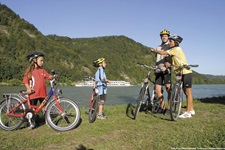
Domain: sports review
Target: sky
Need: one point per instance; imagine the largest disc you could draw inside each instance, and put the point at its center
(201, 23)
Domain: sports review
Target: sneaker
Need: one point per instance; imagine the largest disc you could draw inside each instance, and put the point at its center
(104, 115)
(101, 117)
(185, 115)
(166, 112)
(192, 112)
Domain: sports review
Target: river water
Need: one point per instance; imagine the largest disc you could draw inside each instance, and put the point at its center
(121, 95)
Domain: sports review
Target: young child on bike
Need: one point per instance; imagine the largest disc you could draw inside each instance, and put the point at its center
(179, 59)
(101, 83)
(34, 79)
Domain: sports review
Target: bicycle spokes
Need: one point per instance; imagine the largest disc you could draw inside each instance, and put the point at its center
(63, 120)
(175, 103)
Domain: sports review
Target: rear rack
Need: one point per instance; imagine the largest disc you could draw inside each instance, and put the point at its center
(9, 95)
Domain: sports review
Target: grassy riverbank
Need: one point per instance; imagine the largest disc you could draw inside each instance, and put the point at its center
(150, 131)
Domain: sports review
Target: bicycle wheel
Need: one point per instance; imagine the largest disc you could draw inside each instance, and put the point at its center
(93, 110)
(9, 123)
(175, 102)
(141, 96)
(147, 106)
(63, 120)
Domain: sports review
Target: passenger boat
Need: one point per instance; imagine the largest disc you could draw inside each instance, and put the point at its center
(113, 83)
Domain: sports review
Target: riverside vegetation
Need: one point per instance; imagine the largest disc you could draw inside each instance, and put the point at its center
(149, 131)
(72, 57)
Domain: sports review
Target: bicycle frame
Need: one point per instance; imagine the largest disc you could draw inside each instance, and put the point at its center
(93, 95)
(34, 108)
(179, 78)
(94, 104)
(176, 96)
(144, 94)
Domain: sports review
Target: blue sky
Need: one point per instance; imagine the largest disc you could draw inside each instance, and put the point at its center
(200, 22)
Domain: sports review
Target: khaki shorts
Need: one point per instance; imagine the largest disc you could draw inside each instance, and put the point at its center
(103, 97)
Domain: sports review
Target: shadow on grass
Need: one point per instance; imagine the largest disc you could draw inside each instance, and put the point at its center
(130, 111)
(213, 100)
(40, 121)
(82, 147)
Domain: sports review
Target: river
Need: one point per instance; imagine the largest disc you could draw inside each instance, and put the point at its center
(121, 95)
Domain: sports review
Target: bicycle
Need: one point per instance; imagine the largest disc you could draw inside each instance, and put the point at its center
(176, 94)
(94, 103)
(61, 114)
(146, 99)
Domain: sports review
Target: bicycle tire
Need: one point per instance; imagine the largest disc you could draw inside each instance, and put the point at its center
(65, 121)
(93, 110)
(148, 103)
(175, 102)
(140, 100)
(10, 123)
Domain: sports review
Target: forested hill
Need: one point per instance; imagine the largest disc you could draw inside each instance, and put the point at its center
(71, 58)
(213, 76)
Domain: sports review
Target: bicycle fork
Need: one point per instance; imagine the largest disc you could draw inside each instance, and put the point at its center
(146, 95)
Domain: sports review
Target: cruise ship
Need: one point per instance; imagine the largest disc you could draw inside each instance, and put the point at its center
(113, 83)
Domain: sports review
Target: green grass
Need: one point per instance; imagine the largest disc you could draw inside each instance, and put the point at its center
(119, 132)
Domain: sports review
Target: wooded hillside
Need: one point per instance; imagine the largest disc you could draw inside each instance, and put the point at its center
(71, 58)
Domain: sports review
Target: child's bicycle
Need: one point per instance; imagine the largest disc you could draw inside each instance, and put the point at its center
(61, 114)
(176, 94)
(94, 104)
(146, 100)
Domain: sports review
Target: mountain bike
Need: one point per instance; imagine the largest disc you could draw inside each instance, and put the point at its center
(94, 104)
(176, 94)
(147, 101)
(61, 114)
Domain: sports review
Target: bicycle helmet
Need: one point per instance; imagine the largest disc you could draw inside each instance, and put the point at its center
(176, 38)
(165, 32)
(33, 55)
(98, 61)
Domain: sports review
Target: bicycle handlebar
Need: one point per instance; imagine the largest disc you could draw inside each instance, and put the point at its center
(185, 66)
(144, 65)
(150, 67)
(52, 81)
(193, 65)
(93, 79)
